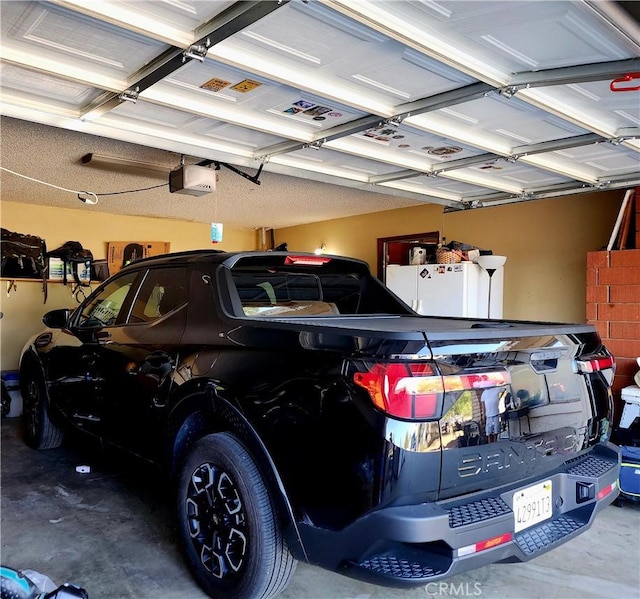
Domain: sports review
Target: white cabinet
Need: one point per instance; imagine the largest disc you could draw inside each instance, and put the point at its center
(448, 289)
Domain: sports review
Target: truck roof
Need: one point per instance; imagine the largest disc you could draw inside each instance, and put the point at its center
(218, 256)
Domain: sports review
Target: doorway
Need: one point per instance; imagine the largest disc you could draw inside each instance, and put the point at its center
(397, 249)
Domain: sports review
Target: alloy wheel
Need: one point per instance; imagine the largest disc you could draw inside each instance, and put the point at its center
(216, 521)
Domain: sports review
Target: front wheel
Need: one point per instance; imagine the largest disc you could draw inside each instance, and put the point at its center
(40, 432)
(228, 524)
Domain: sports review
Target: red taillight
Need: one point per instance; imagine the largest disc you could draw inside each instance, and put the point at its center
(406, 390)
(415, 390)
(595, 363)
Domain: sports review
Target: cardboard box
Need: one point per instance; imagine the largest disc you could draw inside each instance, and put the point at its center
(121, 253)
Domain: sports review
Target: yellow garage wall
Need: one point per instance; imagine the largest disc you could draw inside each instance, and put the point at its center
(22, 309)
(545, 241)
(95, 229)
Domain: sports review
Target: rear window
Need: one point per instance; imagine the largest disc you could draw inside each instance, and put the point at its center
(297, 294)
(288, 286)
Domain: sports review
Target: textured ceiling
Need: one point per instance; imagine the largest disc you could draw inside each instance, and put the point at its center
(54, 155)
(463, 104)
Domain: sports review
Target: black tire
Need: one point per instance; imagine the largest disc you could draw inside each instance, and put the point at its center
(39, 431)
(228, 523)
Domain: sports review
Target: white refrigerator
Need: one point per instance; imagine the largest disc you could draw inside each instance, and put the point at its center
(448, 289)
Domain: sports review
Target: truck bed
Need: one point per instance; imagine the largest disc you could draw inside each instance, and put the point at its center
(417, 327)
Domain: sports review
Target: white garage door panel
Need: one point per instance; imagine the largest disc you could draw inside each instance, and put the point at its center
(340, 161)
(378, 93)
(535, 35)
(605, 158)
(439, 187)
(76, 40)
(30, 86)
(509, 120)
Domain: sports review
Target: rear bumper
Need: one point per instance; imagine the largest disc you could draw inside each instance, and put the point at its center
(417, 544)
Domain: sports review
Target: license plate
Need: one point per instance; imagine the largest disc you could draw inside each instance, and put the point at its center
(532, 505)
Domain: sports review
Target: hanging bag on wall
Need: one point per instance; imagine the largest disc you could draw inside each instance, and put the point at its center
(23, 257)
(72, 253)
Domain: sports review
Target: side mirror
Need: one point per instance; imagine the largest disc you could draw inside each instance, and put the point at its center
(57, 319)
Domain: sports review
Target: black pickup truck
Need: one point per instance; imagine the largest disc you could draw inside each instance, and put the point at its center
(304, 412)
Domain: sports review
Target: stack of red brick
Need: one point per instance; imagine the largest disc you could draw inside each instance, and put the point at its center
(613, 306)
(637, 201)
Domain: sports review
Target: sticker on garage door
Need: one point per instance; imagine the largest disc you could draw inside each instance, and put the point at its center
(245, 86)
(215, 85)
(307, 110)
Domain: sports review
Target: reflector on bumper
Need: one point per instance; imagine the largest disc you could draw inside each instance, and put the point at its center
(486, 544)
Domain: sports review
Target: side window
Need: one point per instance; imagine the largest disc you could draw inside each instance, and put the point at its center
(103, 309)
(163, 290)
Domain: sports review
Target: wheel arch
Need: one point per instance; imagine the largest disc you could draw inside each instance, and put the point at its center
(201, 410)
(30, 357)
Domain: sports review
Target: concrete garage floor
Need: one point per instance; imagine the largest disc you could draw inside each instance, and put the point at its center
(111, 532)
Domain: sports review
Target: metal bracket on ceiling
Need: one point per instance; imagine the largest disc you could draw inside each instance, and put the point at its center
(395, 121)
(624, 134)
(253, 178)
(197, 51)
(316, 145)
(130, 95)
(511, 90)
(602, 185)
(472, 204)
